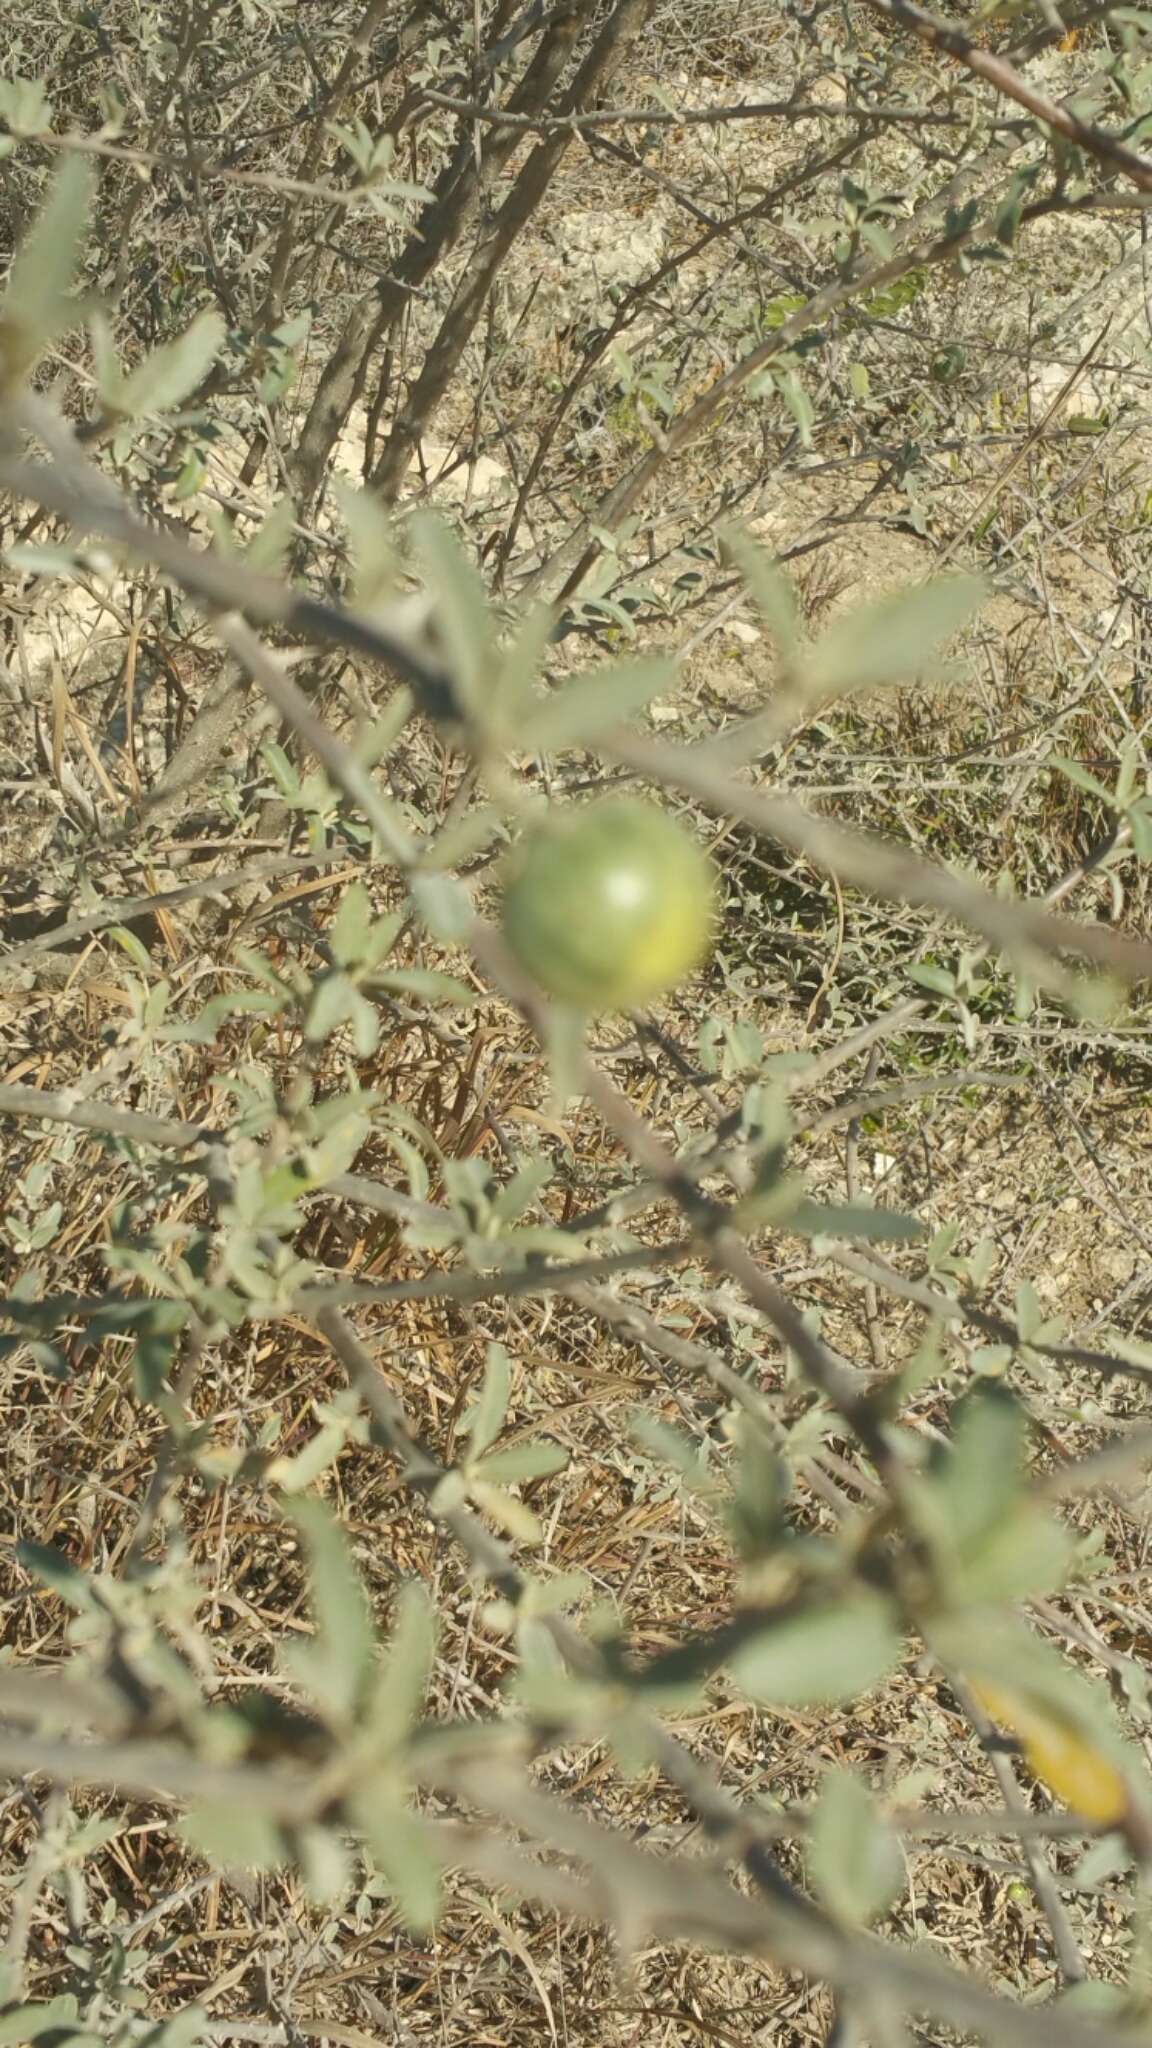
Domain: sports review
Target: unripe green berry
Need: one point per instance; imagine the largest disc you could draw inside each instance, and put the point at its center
(609, 904)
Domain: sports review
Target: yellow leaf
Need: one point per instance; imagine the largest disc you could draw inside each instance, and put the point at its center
(1060, 1755)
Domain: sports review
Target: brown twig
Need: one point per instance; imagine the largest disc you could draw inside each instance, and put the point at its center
(693, 117)
(1108, 150)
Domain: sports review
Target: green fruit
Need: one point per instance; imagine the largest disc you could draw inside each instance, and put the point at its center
(609, 904)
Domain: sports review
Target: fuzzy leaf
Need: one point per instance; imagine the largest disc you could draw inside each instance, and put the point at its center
(36, 304)
(852, 1220)
(522, 1461)
(894, 640)
(590, 705)
(404, 1672)
(401, 1850)
(485, 1419)
(853, 1855)
(831, 1653)
(171, 373)
(239, 1837)
(335, 1665)
(1074, 771)
(463, 621)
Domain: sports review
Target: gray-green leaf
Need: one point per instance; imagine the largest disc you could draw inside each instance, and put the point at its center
(335, 1665)
(400, 1845)
(522, 1461)
(36, 304)
(171, 373)
(31, 2022)
(772, 594)
(893, 641)
(463, 621)
(979, 1479)
(405, 1669)
(852, 1220)
(831, 1653)
(590, 705)
(853, 1855)
(485, 1419)
(238, 1837)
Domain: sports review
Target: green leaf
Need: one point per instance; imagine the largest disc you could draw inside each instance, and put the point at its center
(109, 377)
(991, 1543)
(426, 982)
(1029, 1312)
(332, 1004)
(607, 608)
(135, 948)
(799, 404)
(57, 1573)
(926, 1364)
(485, 1419)
(1108, 1857)
(522, 1461)
(852, 1220)
(280, 768)
(365, 1026)
(36, 304)
(455, 844)
(463, 621)
(938, 979)
(853, 1855)
(269, 545)
(153, 1357)
(443, 904)
(237, 1837)
(771, 592)
(1131, 767)
(400, 1846)
(372, 544)
(1129, 1348)
(203, 1028)
(325, 1864)
(193, 474)
(991, 1358)
(405, 1670)
(408, 1138)
(670, 1447)
(1002, 1653)
(25, 106)
(755, 1516)
(1026, 1553)
(894, 640)
(295, 1475)
(832, 1652)
(334, 1667)
(781, 309)
(533, 1174)
(168, 376)
(1140, 826)
(182, 2030)
(348, 931)
(506, 1510)
(981, 1476)
(520, 664)
(1074, 771)
(32, 2022)
(590, 705)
